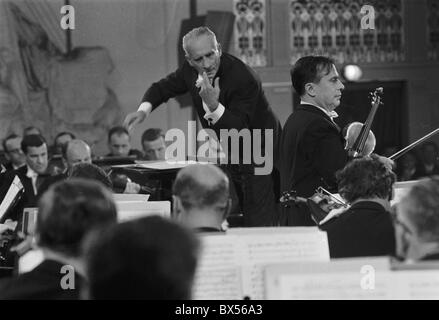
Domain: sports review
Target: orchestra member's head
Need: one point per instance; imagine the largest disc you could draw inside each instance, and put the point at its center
(317, 82)
(151, 258)
(366, 178)
(13, 152)
(201, 197)
(76, 151)
(119, 142)
(68, 211)
(35, 149)
(417, 222)
(153, 143)
(202, 51)
(31, 130)
(90, 171)
(61, 139)
(430, 154)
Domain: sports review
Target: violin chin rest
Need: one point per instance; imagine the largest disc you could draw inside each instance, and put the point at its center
(317, 213)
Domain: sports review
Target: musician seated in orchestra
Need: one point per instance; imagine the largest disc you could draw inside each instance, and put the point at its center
(73, 152)
(409, 167)
(56, 163)
(151, 258)
(67, 212)
(201, 198)
(77, 152)
(90, 171)
(388, 151)
(13, 153)
(366, 228)
(417, 222)
(32, 130)
(430, 157)
(153, 144)
(119, 144)
(32, 175)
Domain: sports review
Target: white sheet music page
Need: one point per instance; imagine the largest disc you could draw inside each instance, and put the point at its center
(218, 275)
(13, 191)
(232, 265)
(344, 279)
(288, 245)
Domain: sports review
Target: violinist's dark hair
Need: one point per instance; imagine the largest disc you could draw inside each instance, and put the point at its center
(309, 69)
(365, 177)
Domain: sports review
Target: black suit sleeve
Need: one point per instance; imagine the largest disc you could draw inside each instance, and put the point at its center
(171, 86)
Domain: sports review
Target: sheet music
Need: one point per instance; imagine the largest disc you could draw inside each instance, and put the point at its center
(415, 284)
(167, 164)
(248, 251)
(340, 286)
(218, 275)
(15, 187)
(128, 210)
(261, 250)
(343, 279)
(126, 197)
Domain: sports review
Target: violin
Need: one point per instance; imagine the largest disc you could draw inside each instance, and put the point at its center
(360, 140)
(320, 204)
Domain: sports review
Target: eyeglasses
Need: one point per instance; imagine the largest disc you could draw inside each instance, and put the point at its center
(18, 150)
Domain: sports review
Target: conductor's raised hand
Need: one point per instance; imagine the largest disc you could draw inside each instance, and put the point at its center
(133, 119)
(209, 93)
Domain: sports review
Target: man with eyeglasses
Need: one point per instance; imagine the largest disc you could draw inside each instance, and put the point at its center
(13, 152)
(417, 222)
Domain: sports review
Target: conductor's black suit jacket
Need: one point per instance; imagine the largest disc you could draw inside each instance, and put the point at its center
(312, 150)
(241, 94)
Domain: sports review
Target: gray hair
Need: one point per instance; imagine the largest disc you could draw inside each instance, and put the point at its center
(195, 34)
(421, 204)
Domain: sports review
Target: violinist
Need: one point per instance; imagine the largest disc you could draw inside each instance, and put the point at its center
(366, 228)
(312, 146)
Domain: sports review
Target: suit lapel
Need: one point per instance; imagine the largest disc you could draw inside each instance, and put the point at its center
(312, 109)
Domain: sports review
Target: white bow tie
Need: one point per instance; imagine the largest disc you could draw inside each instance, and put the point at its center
(332, 114)
(31, 174)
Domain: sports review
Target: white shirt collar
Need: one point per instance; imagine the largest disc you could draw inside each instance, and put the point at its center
(31, 173)
(16, 167)
(332, 114)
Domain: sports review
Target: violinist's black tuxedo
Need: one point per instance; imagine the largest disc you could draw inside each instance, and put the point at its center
(311, 151)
